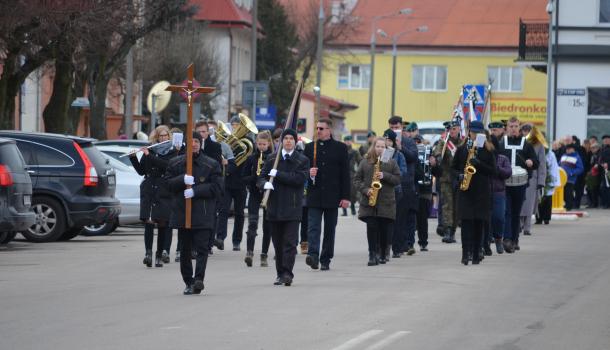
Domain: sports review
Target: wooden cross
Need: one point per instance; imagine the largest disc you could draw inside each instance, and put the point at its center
(189, 89)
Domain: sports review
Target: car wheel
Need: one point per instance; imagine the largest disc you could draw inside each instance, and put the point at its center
(70, 233)
(50, 221)
(9, 237)
(99, 230)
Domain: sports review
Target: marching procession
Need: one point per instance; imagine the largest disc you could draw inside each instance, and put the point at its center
(487, 181)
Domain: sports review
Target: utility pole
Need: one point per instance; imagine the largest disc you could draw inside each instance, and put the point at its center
(319, 56)
(253, 55)
(129, 95)
(550, 128)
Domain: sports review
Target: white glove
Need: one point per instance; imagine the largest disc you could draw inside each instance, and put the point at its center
(189, 193)
(273, 173)
(189, 180)
(268, 186)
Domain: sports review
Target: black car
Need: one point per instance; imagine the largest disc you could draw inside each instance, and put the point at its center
(73, 185)
(15, 192)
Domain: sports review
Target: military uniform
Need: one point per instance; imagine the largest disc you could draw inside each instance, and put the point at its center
(354, 159)
(447, 190)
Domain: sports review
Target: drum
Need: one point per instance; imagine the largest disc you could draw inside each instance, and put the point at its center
(518, 178)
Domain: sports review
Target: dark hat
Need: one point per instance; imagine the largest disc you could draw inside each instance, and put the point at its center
(197, 136)
(290, 131)
(390, 134)
(476, 126)
(371, 133)
(348, 138)
(235, 120)
(504, 122)
(412, 126)
(605, 137)
(418, 138)
(571, 145)
(451, 124)
(526, 127)
(495, 125)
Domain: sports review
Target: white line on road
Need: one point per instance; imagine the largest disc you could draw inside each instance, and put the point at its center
(387, 341)
(358, 340)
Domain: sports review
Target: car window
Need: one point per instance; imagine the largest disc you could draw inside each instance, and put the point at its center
(116, 164)
(48, 156)
(11, 157)
(95, 156)
(26, 151)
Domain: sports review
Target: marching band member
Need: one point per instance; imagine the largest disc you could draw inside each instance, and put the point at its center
(354, 160)
(206, 182)
(391, 139)
(448, 186)
(474, 200)
(284, 205)
(252, 169)
(537, 180)
(327, 189)
(522, 157)
(154, 197)
(377, 203)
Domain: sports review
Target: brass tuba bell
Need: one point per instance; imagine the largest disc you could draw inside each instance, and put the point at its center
(240, 144)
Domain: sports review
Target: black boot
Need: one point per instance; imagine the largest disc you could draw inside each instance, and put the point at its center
(447, 235)
(452, 235)
(372, 259)
(465, 256)
(148, 258)
(158, 259)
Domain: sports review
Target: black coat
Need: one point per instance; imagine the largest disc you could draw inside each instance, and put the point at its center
(207, 189)
(526, 153)
(333, 183)
(249, 169)
(154, 195)
(286, 200)
(475, 203)
(212, 149)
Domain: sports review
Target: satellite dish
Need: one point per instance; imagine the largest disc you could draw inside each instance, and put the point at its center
(162, 97)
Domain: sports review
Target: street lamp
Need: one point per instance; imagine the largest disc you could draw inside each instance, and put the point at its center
(421, 29)
(550, 125)
(374, 32)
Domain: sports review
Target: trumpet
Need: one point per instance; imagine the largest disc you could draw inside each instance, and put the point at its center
(148, 147)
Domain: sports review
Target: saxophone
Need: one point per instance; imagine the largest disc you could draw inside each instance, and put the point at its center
(259, 165)
(469, 170)
(375, 184)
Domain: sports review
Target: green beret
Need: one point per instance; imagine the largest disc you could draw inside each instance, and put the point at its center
(348, 138)
(412, 126)
(495, 125)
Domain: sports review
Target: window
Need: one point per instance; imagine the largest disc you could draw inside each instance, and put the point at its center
(354, 76)
(44, 155)
(599, 101)
(604, 11)
(429, 78)
(11, 158)
(505, 79)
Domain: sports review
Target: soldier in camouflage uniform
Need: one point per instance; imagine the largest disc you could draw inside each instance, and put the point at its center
(448, 181)
(354, 160)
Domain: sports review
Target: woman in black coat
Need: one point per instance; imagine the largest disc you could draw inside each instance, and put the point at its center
(155, 199)
(474, 204)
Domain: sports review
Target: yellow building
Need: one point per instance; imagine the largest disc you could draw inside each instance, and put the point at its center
(432, 66)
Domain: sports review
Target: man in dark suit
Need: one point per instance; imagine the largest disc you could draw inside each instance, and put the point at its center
(206, 182)
(284, 207)
(328, 188)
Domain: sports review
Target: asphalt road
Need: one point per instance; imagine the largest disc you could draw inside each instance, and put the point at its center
(94, 293)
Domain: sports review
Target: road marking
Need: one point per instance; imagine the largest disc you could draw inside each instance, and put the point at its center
(358, 340)
(170, 328)
(387, 341)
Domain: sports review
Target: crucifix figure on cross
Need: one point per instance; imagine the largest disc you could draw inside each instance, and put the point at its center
(191, 92)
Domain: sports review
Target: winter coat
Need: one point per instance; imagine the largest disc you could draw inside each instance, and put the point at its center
(386, 201)
(572, 164)
(524, 154)
(503, 172)
(535, 182)
(354, 160)
(155, 198)
(249, 168)
(475, 203)
(285, 200)
(207, 190)
(552, 169)
(332, 184)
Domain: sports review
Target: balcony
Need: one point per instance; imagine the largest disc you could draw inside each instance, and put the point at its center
(533, 44)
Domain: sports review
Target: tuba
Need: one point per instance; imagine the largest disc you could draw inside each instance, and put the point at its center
(240, 144)
(536, 137)
(375, 184)
(469, 170)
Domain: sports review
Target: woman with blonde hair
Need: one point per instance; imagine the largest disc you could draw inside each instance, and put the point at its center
(155, 198)
(380, 215)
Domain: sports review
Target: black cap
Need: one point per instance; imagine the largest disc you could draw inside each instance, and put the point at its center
(450, 124)
(371, 133)
(390, 134)
(476, 126)
(412, 126)
(606, 137)
(418, 138)
(197, 136)
(495, 125)
(292, 132)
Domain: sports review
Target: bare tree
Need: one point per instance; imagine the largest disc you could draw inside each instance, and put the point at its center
(166, 54)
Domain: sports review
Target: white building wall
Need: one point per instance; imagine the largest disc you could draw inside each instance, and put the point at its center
(219, 42)
(572, 115)
(31, 102)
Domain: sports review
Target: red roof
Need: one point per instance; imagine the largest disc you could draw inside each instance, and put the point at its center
(222, 13)
(451, 23)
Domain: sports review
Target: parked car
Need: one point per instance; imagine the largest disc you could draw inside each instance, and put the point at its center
(128, 193)
(15, 192)
(73, 185)
(116, 152)
(431, 130)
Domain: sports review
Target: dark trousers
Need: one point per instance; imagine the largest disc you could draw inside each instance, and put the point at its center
(167, 246)
(314, 232)
(352, 207)
(304, 224)
(604, 195)
(193, 239)
(515, 195)
(377, 234)
(149, 230)
(238, 197)
(498, 214)
(472, 236)
(545, 208)
(423, 212)
(568, 196)
(285, 235)
(579, 190)
(399, 231)
(254, 204)
(410, 225)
